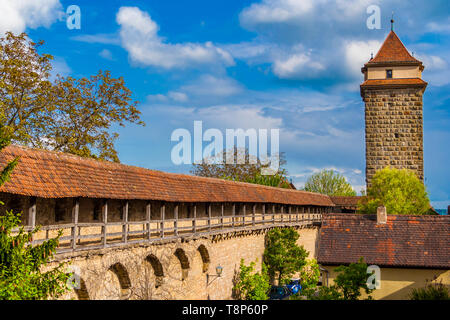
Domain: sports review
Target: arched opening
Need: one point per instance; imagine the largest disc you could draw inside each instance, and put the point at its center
(157, 269)
(205, 257)
(125, 284)
(181, 255)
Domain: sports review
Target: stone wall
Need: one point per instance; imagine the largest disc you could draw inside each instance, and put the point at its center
(394, 130)
(172, 270)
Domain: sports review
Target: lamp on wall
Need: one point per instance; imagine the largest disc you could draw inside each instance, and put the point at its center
(219, 270)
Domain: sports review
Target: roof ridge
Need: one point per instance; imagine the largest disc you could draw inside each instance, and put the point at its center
(89, 162)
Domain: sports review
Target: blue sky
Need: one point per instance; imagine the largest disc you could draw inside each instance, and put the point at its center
(292, 65)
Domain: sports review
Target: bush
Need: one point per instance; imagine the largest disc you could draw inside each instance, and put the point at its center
(349, 283)
(251, 285)
(399, 190)
(432, 291)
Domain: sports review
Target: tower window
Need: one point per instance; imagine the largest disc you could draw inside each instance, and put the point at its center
(388, 74)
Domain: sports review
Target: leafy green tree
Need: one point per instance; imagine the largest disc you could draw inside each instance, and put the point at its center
(21, 275)
(348, 285)
(310, 274)
(282, 255)
(64, 114)
(431, 291)
(252, 285)
(329, 182)
(278, 180)
(399, 190)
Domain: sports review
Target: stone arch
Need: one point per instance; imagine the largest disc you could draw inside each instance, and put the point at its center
(157, 269)
(184, 261)
(124, 279)
(205, 257)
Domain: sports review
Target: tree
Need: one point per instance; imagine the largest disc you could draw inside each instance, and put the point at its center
(277, 180)
(282, 255)
(399, 190)
(310, 274)
(348, 285)
(431, 291)
(65, 114)
(329, 182)
(251, 285)
(246, 170)
(20, 262)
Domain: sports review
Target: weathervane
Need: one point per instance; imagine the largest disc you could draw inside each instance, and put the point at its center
(392, 21)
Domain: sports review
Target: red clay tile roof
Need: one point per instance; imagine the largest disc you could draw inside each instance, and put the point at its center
(404, 241)
(393, 51)
(50, 174)
(351, 201)
(394, 82)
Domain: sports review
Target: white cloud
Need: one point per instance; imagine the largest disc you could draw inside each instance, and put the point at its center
(60, 67)
(106, 54)
(139, 36)
(299, 65)
(208, 85)
(178, 96)
(357, 53)
(17, 16)
(270, 11)
(103, 38)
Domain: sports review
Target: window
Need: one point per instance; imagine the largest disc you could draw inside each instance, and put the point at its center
(388, 74)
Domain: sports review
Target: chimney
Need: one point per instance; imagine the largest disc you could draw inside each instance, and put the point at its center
(381, 215)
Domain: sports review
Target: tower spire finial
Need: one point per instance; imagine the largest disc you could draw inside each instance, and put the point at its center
(392, 21)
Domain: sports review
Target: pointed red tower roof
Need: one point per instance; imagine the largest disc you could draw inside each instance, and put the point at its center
(393, 50)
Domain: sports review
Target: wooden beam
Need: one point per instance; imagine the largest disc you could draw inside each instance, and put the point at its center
(32, 213)
(244, 213)
(175, 224)
(75, 213)
(125, 223)
(209, 217)
(253, 214)
(273, 213)
(148, 218)
(233, 215)
(163, 213)
(105, 220)
(221, 216)
(194, 224)
(264, 213)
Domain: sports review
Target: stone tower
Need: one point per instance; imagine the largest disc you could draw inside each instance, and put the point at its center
(392, 91)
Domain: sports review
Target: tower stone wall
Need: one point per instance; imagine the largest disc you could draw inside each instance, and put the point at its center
(394, 130)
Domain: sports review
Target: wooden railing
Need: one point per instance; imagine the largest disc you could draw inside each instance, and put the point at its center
(78, 236)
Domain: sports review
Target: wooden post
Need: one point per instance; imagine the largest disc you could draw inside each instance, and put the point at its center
(161, 228)
(209, 217)
(282, 212)
(254, 214)
(32, 213)
(125, 223)
(175, 224)
(273, 213)
(309, 214)
(296, 214)
(243, 214)
(221, 217)
(105, 220)
(148, 217)
(233, 215)
(75, 212)
(194, 225)
(264, 213)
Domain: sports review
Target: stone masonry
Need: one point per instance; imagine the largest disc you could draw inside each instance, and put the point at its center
(394, 130)
(178, 269)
